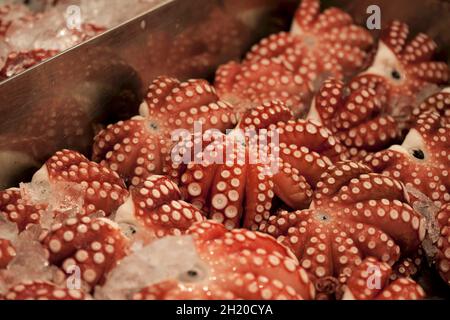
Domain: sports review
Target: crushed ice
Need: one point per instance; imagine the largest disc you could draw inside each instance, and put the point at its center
(65, 199)
(30, 262)
(167, 258)
(64, 25)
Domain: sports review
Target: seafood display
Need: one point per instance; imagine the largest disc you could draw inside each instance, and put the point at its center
(317, 167)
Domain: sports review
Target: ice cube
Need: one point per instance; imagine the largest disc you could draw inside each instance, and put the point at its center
(62, 200)
(60, 195)
(30, 262)
(164, 259)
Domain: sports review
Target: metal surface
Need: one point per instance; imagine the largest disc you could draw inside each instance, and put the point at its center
(60, 103)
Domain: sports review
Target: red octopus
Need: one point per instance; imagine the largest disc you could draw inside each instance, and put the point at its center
(438, 102)
(357, 118)
(443, 244)
(422, 161)
(155, 209)
(289, 66)
(355, 213)
(40, 290)
(140, 147)
(93, 245)
(370, 281)
(71, 177)
(236, 177)
(404, 70)
(17, 62)
(238, 264)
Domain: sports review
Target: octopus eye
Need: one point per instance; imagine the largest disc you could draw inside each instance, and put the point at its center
(323, 217)
(153, 126)
(195, 274)
(128, 229)
(396, 75)
(418, 154)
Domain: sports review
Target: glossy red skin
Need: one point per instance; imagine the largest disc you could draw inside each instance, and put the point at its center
(429, 174)
(94, 245)
(438, 102)
(370, 281)
(233, 184)
(100, 189)
(18, 210)
(290, 66)
(240, 264)
(413, 60)
(17, 62)
(359, 119)
(40, 290)
(355, 214)
(140, 147)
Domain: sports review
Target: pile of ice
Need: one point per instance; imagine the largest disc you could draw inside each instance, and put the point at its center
(167, 258)
(30, 262)
(62, 200)
(106, 13)
(61, 26)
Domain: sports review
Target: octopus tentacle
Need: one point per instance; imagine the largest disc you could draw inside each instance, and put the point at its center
(358, 118)
(421, 157)
(155, 209)
(140, 147)
(40, 290)
(93, 245)
(236, 178)
(370, 281)
(355, 214)
(404, 70)
(240, 264)
(290, 66)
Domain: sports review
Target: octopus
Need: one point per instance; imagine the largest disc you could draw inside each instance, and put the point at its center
(422, 161)
(358, 118)
(290, 66)
(236, 178)
(155, 209)
(355, 214)
(404, 71)
(140, 147)
(370, 281)
(237, 264)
